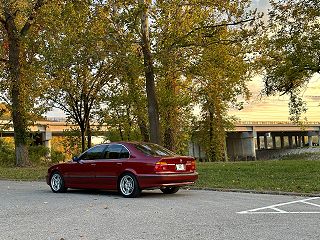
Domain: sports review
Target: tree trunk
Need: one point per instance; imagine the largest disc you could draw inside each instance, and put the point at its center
(169, 137)
(89, 137)
(83, 138)
(143, 129)
(18, 111)
(153, 112)
(138, 107)
(171, 111)
(211, 149)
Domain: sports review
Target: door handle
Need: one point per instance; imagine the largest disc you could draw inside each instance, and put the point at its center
(93, 164)
(119, 163)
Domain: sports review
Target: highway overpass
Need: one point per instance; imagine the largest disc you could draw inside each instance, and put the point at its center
(242, 142)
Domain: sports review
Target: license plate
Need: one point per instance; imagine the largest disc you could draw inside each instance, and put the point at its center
(180, 167)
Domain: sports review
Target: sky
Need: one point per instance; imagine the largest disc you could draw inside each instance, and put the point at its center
(267, 108)
(276, 108)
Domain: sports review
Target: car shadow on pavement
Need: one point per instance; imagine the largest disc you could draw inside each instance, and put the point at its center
(144, 194)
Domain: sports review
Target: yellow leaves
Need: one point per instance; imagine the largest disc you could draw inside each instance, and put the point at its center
(19, 9)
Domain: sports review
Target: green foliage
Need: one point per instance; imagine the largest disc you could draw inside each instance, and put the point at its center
(30, 72)
(20, 74)
(7, 154)
(220, 79)
(90, 59)
(71, 143)
(198, 54)
(4, 112)
(76, 60)
(38, 155)
(57, 156)
(296, 107)
(291, 49)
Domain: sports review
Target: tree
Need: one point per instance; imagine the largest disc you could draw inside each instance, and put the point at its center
(16, 19)
(201, 56)
(221, 76)
(173, 38)
(125, 97)
(75, 56)
(153, 109)
(291, 50)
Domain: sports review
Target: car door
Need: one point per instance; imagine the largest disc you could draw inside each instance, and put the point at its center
(109, 168)
(82, 172)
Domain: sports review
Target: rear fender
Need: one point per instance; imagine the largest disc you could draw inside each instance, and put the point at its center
(128, 171)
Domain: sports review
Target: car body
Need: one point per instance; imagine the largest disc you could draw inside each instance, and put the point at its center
(128, 167)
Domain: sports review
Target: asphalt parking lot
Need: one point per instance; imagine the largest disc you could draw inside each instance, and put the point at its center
(29, 210)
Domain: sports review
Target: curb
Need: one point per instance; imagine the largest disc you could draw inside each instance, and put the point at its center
(256, 192)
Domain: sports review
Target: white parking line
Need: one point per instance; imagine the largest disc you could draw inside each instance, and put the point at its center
(275, 208)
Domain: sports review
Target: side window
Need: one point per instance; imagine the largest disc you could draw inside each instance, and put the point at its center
(124, 153)
(116, 151)
(93, 153)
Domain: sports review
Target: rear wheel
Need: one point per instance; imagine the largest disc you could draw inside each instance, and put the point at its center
(170, 190)
(57, 183)
(128, 186)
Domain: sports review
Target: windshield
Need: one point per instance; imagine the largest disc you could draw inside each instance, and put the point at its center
(152, 149)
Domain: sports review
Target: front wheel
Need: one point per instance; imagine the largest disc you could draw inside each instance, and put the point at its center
(128, 186)
(169, 190)
(57, 183)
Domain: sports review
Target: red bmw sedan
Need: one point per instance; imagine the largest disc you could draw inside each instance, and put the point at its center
(128, 167)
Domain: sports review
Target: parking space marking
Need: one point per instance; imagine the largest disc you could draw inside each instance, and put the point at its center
(274, 209)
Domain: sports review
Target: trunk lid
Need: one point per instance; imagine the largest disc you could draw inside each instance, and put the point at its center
(176, 164)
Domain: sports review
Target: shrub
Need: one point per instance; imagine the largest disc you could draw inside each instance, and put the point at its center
(38, 155)
(57, 156)
(7, 154)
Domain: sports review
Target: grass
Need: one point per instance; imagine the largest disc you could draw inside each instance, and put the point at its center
(295, 175)
(25, 174)
(301, 176)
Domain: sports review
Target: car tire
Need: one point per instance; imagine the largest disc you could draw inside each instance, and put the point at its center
(57, 183)
(128, 186)
(169, 190)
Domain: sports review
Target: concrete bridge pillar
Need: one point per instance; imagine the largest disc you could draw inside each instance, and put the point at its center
(46, 140)
(310, 141)
(303, 141)
(241, 146)
(282, 141)
(265, 138)
(274, 143)
(310, 137)
(258, 142)
(290, 142)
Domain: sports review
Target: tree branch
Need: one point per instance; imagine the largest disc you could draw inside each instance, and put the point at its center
(213, 27)
(3, 22)
(31, 17)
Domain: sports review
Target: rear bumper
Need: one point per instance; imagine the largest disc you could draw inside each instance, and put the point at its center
(162, 180)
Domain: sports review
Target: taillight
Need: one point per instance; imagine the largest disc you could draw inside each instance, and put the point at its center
(192, 165)
(161, 166)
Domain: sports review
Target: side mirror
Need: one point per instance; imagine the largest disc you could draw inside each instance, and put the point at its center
(75, 159)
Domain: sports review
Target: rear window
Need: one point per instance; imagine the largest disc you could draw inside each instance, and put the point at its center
(152, 149)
